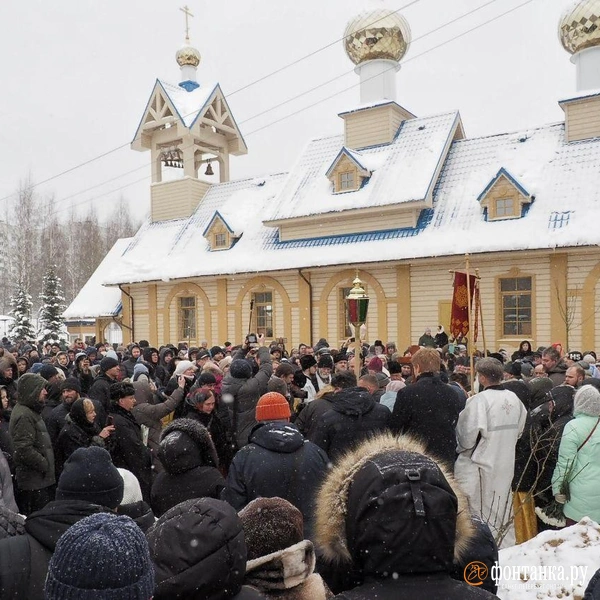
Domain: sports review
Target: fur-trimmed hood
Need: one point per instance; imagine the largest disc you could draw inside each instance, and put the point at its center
(389, 507)
(283, 569)
(185, 444)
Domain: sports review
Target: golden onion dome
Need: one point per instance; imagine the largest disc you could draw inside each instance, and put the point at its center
(378, 33)
(187, 55)
(580, 26)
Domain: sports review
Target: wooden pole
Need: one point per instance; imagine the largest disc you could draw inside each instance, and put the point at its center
(470, 335)
(357, 352)
(478, 279)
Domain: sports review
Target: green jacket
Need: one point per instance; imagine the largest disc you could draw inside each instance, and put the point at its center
(33, 455)
(585, 472)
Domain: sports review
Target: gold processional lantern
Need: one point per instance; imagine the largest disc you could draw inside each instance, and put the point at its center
(357, 304)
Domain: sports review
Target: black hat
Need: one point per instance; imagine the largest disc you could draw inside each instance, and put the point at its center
(240, 368)
(71, 383)
(339, 357)
(325, 362)
(214, 351)
(89, 474)
(307, 361)
(206, 378)
(48, 371)
(575, 356)
(202, 353)
(107, 363)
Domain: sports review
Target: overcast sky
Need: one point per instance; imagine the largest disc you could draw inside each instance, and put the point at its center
(76, 76)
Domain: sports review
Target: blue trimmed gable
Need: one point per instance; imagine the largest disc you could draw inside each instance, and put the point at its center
(216, 216)
(504, 198)
(351, 162)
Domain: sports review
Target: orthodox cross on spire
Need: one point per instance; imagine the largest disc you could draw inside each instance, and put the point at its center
(187, 13)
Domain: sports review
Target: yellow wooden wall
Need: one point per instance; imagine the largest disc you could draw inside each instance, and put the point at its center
(405, 299)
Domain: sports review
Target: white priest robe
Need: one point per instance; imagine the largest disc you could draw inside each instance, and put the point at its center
(487, 431)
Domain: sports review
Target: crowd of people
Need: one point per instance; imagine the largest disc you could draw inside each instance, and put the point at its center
(247, 471)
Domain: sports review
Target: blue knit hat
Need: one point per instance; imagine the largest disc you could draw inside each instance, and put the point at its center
(104, 557)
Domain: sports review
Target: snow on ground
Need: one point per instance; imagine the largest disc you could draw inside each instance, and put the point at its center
(572, 555)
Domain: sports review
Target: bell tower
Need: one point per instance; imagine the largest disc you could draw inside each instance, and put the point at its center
(189, 129)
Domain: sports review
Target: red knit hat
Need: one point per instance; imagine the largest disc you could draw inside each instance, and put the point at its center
(272, 406)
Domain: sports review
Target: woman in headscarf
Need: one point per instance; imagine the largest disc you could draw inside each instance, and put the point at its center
(80, 431)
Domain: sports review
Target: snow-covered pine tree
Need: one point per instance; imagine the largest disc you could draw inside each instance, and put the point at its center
(51, 326)
(22, 327)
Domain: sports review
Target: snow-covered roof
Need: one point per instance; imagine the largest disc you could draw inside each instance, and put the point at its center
(403, 171)
(94, 299)
(189, 104)
(563, 177)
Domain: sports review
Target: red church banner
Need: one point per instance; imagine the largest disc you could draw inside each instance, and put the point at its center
(459, 322)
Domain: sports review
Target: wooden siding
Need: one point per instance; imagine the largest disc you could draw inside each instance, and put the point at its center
(405, 299)
(582, 119)
(377, 125)
(340, 224)
(176, 199)
(579, 268)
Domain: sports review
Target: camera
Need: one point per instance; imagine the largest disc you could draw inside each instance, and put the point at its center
(252, 339)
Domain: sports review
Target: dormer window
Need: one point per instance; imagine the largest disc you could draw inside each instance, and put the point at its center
(504, 198)
(347, 181)
(347, 172)
(505, 207)
(221, 240)
(220, 234)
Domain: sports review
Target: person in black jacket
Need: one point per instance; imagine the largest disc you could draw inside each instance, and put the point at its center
(309, 416)
(354, 417)
(200, 406)
(428, 408)
(79, 431)
(396, 518)
(276, 446)
(190, 461)
(129, 363)
(244, 389)
(89, 484)
(70, 390)
(198, 551)
(165, 366)
(100, 390)
(127, 447)
(82, 372)
(548, 423)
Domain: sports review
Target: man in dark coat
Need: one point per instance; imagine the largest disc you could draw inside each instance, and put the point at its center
(354, 417)
(554, 366)
(129, 364)
(312, 412)
(127, 446)
(100, 390)
(428, 408)
(276, 447)
(190, 463)
(89, 484)
(33, 455)
(70, 389)
(243, 390)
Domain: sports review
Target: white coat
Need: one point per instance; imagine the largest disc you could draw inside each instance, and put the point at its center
(487, 431)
